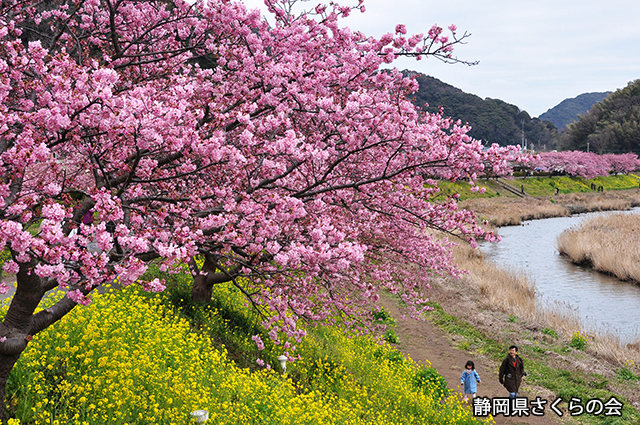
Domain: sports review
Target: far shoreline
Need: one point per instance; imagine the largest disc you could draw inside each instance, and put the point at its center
(509, 211)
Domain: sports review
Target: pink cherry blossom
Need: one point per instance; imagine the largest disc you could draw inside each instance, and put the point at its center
(11, 267)
(79, 297)
(156, 285)
(258, 342)
(280, 157)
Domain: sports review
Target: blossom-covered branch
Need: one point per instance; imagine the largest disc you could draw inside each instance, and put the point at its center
(279, 157)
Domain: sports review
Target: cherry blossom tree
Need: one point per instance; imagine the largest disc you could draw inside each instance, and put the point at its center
(623, 163)
(281, 158)
(574, 163)
(585, 164)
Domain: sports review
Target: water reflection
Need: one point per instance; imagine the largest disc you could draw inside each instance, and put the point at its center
(602, 301)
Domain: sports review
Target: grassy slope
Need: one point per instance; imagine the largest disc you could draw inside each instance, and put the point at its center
(135, 358)
(540, 186)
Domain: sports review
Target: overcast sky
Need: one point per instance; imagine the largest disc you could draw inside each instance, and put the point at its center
(532, 54)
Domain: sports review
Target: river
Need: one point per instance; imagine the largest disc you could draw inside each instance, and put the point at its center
(603, 302)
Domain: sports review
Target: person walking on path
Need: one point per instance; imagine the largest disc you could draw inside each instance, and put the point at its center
(511, 372)
(470, 379)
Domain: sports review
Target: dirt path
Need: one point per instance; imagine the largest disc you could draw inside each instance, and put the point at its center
(425, 342)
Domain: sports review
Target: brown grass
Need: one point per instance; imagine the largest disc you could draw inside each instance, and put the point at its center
(514, 293)
(591, 202)
(504, 211)
(509, 291)
(609, 244)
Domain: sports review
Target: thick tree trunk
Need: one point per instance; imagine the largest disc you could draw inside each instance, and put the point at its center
(20, 323)
(7, 361)
(201, 291)
(205, 278)
(15, 328)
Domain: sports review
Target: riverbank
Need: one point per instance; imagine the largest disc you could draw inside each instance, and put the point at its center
(608, 244)
(489, 309)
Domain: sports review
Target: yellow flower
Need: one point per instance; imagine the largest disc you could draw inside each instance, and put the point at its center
(137, 362)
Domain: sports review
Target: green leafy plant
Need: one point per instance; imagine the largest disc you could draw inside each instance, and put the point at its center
(391, 336)
(383, 316)
(626, 374)
(578, 341)
(428, 377)
(4, 256)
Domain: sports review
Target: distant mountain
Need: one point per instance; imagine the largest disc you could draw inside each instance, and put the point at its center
(610, 126)
(491, 120)
(568, 110)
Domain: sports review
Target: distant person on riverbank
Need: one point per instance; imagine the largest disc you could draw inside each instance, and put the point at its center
(470, 379)
(511, 372)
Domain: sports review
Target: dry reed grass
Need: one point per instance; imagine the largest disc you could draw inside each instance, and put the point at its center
(609, 244)
(589, 202)
(505, 211)
(509, 291)
(512, 211)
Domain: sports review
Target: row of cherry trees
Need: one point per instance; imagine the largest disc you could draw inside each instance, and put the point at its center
(138, 131)
(585, 164)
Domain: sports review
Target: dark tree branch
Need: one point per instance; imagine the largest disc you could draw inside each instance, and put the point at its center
(45, 318)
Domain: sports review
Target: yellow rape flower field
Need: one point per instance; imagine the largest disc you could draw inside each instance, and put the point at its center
(130, 358)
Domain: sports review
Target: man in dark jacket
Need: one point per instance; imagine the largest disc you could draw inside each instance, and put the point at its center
(511, 372)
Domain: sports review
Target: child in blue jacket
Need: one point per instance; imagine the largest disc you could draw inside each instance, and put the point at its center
(470, 378)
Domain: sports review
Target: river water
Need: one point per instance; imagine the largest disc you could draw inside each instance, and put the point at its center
(603, 302)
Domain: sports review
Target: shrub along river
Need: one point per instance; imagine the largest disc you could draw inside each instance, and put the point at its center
(602, 301)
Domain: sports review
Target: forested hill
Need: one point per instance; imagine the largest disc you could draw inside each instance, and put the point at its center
(568, 110)
(491, 120)
(612, 125)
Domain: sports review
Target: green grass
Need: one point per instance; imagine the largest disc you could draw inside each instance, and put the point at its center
(463, 188)
(625, 374)
(4, 256)
(540, 186)
(474, 340)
